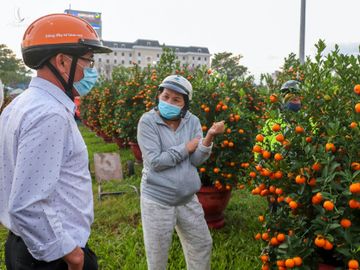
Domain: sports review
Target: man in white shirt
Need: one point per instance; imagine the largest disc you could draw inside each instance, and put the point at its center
(46, 198)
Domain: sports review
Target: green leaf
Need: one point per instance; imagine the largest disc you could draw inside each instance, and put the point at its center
(344, 251)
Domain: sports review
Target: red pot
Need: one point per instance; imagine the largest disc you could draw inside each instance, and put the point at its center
(214, 202)
(120, 142)
(103, 135)
(136, 151)
(107, 138)
(326, 267)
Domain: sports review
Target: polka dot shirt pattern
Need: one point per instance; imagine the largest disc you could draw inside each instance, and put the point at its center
(45, 185)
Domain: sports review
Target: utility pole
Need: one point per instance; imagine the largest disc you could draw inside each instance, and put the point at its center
(302, 32)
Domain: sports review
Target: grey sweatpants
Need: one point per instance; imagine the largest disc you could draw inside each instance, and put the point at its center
(158, 223)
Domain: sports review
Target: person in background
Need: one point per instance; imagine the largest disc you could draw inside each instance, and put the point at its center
(290, 92)
(172, 145)
(290, 103)
(46, 198)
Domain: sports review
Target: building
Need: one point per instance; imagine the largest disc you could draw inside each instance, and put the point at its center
(147, 52)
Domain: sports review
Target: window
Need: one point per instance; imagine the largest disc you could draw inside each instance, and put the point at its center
(139, 53)
(158, 55)
(115, 45)
(199, 50)
(122, 54)
(115, 53)
(107, 61)
(122, 62)
(177, 57)
(177, 50)
(130, 54)
(199, 58)
(130, 62)
(148, 58)
(139, 62)
(148, 43)
(122, 45)
(99, 60)
(183, 57)
(115, 61)
(193, 57)
(205, 59)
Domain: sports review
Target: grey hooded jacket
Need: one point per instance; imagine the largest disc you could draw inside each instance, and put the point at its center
(169, 174)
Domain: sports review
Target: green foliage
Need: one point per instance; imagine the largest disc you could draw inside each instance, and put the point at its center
(319, 160)
(236, 102)
(228, 64)
(12, 70)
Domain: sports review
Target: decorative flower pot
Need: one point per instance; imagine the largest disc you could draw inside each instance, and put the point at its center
(107, 138)
(214, 202)
(104, 136)
(120, 142)
(326, 267)
(136, 151)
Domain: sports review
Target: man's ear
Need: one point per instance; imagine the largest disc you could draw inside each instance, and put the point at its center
(60, 63)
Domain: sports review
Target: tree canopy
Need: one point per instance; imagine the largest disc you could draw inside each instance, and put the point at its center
(12, 70)
(229, 64)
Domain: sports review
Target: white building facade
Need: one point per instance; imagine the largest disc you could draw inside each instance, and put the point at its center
(147, 52)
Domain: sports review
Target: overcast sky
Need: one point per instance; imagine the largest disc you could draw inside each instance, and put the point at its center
(264, 32)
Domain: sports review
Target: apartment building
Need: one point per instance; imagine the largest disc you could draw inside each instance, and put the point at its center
(147, 52)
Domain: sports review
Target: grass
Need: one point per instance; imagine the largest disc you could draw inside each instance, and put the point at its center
(116, 235)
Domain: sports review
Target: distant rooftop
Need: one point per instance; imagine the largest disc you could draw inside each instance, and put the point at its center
(154, 44)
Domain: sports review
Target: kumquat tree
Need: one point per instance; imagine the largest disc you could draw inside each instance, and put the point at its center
(307, 167)
(235, 101)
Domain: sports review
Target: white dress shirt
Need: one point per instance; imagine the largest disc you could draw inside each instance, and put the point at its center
(45, 185)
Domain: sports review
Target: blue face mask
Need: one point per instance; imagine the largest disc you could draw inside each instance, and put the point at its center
(295, 107)
(85, 85)
(168, 111)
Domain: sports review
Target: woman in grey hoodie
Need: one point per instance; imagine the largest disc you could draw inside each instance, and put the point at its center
(172, 146)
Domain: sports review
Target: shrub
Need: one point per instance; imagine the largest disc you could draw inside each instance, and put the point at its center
(316, 210)
(235, 101)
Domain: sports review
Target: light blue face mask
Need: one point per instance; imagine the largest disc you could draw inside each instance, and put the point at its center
(169, 111)
(85, 85)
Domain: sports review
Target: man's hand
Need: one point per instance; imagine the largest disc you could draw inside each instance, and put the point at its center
(75, 259)
(192, 145)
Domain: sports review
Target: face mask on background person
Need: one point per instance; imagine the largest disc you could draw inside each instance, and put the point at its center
(295, 107)
(168, 111)
(85, 85)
